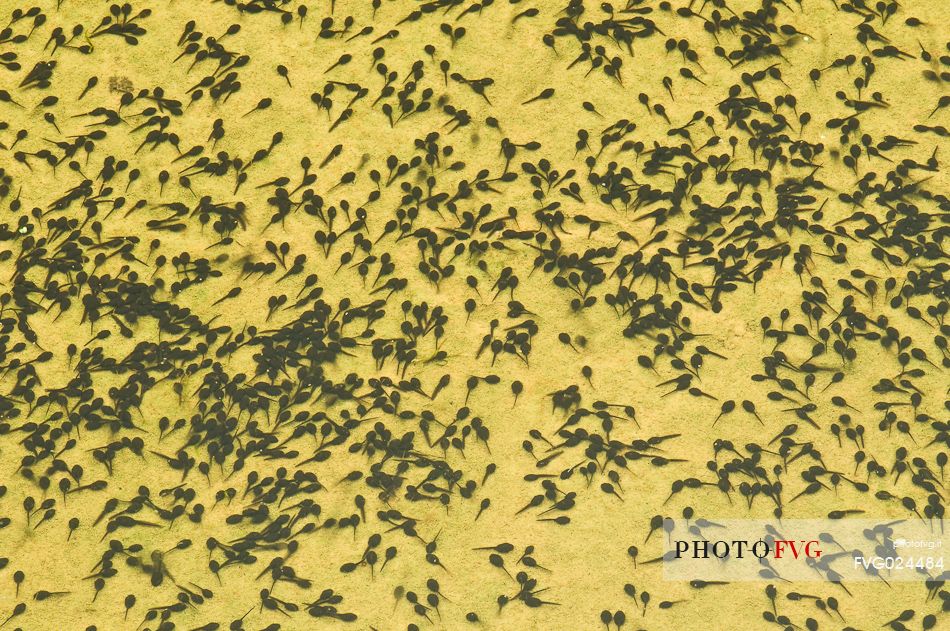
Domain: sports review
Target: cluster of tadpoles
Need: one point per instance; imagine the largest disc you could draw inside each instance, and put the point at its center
(227, 365)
